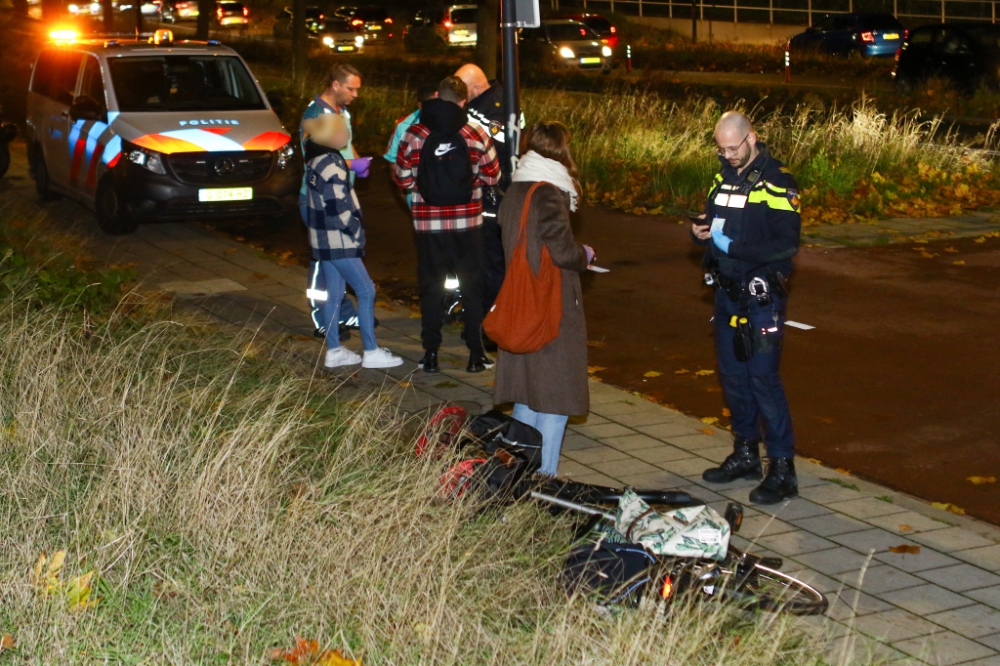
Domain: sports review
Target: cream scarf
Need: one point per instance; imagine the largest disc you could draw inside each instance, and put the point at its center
(533, 168)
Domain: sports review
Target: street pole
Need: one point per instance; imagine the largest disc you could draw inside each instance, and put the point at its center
(511, 83)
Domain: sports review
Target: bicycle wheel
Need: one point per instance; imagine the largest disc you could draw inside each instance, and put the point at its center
(771, 590)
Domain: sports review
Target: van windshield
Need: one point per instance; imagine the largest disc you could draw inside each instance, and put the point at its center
(183, 83)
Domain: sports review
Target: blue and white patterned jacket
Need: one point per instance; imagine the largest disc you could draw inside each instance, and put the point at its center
(330, 207)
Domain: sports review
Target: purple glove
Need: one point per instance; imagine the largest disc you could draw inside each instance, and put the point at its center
(361, 165)
(591, 255)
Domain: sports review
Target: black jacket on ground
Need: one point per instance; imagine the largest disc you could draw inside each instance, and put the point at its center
(761, 211)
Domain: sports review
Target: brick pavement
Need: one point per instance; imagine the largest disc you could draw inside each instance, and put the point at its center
(938, 606)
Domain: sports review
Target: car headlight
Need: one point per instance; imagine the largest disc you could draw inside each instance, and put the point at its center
(285, 154)
(74, 9)
(567, 52)
(147, 159)
(359, 40)
(328, 40)
(606, 51)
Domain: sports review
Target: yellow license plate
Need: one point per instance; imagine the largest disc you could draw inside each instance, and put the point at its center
(461, 33)
(376, 27)
(890, 35)
(226, 194)
(345, 48)
(590, 61)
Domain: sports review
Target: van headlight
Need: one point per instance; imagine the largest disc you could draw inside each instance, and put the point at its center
(147, 159)
(359, 40)
(606, 51)
(285, 154)
(567, 52)
(328, 40)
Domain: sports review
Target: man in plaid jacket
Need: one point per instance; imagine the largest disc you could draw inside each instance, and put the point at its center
(449, 238)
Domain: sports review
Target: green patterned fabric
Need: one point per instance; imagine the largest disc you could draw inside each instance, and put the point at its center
(697, 531)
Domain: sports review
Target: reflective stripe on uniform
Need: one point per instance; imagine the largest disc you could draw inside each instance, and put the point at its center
(772, 201)
(316, 295)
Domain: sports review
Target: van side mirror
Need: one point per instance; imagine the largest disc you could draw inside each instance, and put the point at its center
(277, 101)
(86, 108)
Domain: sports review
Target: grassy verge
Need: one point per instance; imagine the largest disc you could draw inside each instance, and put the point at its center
(219, 498)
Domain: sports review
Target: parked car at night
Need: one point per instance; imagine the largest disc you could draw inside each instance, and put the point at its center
(139, 130)
(282, 28)
(375, 24)
(564, 44)
(596, 22)
(229, 14)
(868, 35)
(172, 11)
(339, 35)
(441, 27)
(966, 54)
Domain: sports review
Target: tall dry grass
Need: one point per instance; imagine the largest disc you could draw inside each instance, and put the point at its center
(229, 499)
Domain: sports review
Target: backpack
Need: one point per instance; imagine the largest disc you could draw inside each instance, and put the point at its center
(496, 430)
(611, 569)
(444, 174)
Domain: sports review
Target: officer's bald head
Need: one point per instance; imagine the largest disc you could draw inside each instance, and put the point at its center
(735, 138)
(475, 80)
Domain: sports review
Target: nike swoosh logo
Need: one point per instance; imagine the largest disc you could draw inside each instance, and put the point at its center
(443, 149)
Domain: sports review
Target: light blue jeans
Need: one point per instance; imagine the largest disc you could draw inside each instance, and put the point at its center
(552, 427)
(339, 273)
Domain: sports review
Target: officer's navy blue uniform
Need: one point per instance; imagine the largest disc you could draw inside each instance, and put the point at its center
(487, 110)
(760, 209)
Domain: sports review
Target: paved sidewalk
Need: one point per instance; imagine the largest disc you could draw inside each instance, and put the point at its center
(937, 603)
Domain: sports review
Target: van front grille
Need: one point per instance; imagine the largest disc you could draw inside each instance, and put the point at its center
(221, 168)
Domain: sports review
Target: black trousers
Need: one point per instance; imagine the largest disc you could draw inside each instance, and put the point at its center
(495, 262)
(461, 253)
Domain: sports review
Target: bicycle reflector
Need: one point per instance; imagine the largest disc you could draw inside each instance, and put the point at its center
(667, 588)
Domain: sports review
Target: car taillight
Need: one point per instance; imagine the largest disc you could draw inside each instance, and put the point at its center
(357, 22)
(246, 11)
(583, 32)
(321, 17)
(613, 30)
(388, 20)
(906, 33)
(219, 12)
(447, 24)
(867, 37)
(181, 5)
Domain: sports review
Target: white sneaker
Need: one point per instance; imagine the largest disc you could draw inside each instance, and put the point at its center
(381, 358)
(339, 356)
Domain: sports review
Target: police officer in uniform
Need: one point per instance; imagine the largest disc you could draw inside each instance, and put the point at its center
(485, 108)
(751, 232)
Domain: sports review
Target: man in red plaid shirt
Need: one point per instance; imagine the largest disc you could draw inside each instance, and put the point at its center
(449, 237)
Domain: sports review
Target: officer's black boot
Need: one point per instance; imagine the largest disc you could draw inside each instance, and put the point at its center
(742, 463)
(779, 484)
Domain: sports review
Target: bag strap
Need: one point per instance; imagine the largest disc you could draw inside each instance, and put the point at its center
(525, 211)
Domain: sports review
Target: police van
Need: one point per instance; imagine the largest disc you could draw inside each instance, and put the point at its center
(140, 130)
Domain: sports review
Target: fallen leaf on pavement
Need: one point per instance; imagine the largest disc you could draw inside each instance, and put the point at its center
(814, 460)
(949, 507)
(230, 250)
(652, 373)
(405, 384)
(981, 239)
(905, 549)
(707, 431)
(905, 528)
(705, 373)
(950, 249)
(958, 263)
(844, 471)
(414, 315)
(710, 420)
(928, 255)
(6, 642)
(726, 412)
(595, 343)
(591, 369)
(682, 371)
(980, 480)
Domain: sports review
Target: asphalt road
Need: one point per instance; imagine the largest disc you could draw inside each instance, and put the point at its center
(898, 381)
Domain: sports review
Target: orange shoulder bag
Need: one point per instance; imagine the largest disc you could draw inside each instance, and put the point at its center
(528, 310)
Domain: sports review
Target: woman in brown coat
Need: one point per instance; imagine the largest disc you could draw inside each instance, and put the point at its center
(549, 385)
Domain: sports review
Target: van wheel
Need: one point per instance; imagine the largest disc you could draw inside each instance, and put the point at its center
(4, 158)
(111, 216)
(40, 172)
